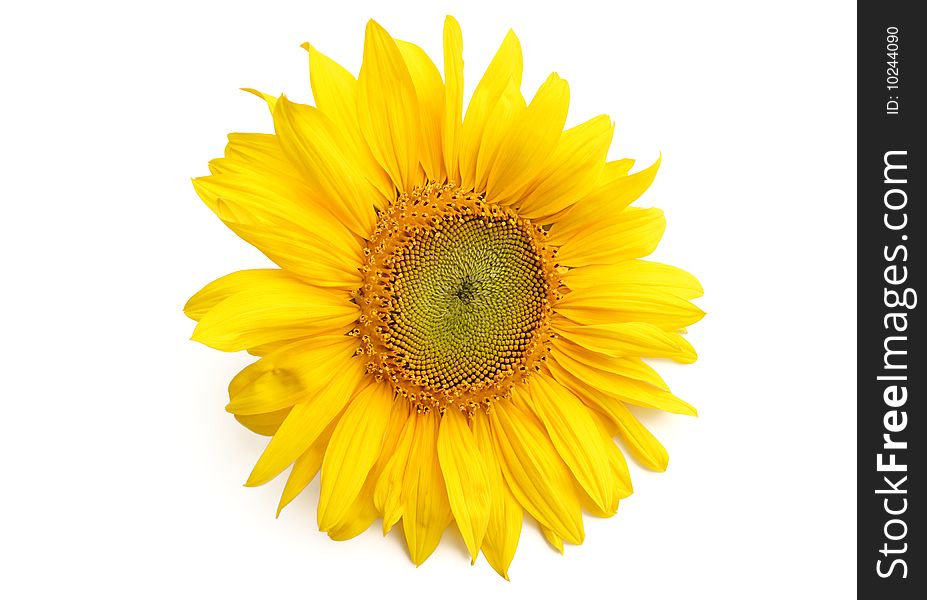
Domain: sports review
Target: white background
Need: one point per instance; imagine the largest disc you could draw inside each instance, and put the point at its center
(121, 472)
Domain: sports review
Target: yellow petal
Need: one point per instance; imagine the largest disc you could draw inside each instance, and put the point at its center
(228, 211)
(255, 196)
(622, 388)
(530, 141)
(505, 514)
(687, 354)
(618, 168)
(269, 99)
(506, 65)
(426, 512)
(310, 256)
(635, 272)
(616, 461)
(575, 436)
(510, 106)
(288, 375)
(605, 424)
(363, 510)
(466, 479)
(643, 445)
(277, 309)
(388, 108)
(553, 539)
(264, 424)
(429, 89)
(313, 143)
(616, 191)
(630, 367)
(334, 90)
(572, 170)
(245, 195)
(629, 303)
(258, 154)
(285, 352)
(257, 185)
(261, 165)
(253, 200)
(212, 294)
(307, 420)
(535, 473)
(305, 468)
(359, 516)
(634, 233)
(453, 96)
(623, 339)
(265, 349)
(353, 450)
(388, 494)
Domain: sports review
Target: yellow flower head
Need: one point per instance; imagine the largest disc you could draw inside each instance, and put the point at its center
(457, 324)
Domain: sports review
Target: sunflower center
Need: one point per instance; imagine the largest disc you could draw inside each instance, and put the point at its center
(466, 290)
(468, 294)
(457, 297)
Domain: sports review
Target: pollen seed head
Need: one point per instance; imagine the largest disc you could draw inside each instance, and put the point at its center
(456, 299)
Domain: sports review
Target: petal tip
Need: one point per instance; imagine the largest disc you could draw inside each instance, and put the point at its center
(374, 28)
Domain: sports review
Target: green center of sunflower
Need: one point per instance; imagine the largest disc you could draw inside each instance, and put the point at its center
(468, 295)
(457, 297)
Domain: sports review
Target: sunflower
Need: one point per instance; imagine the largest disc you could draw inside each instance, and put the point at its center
(455, 330)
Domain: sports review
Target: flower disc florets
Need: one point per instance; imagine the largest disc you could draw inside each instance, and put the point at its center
(456, 299)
